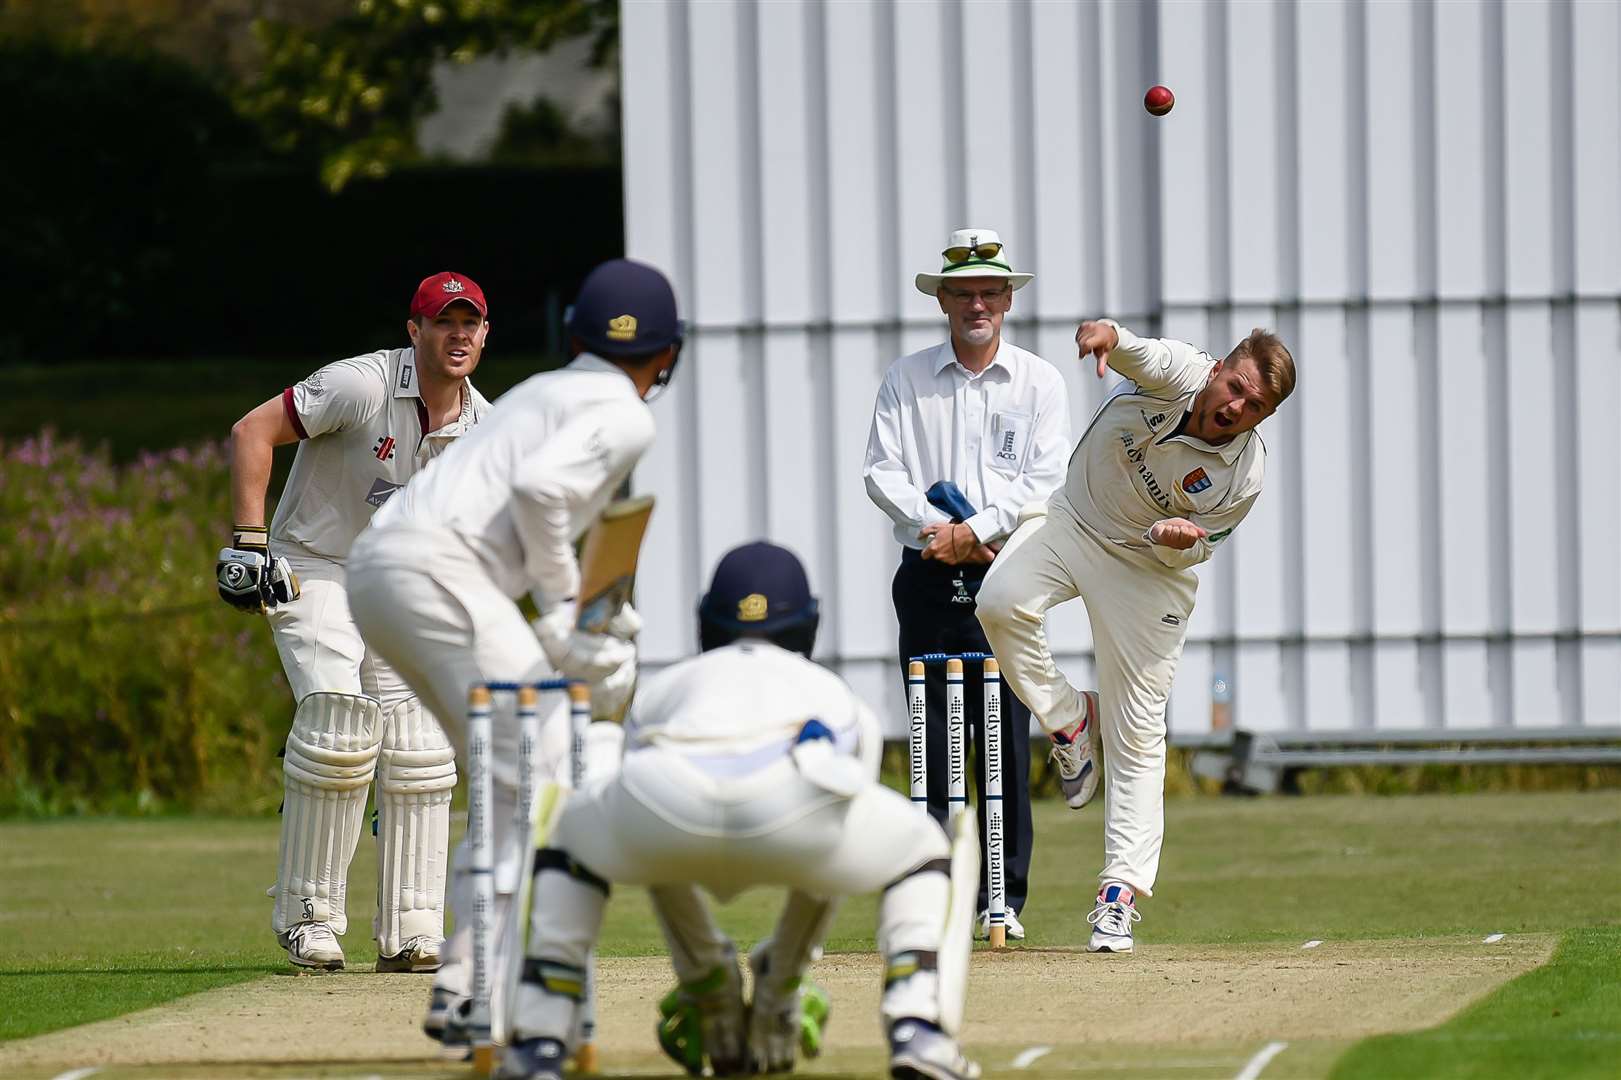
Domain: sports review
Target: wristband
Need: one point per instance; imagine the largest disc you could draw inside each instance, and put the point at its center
(250, 537)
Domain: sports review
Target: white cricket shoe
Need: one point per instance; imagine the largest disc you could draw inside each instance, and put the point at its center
(419, 954)
(1075, 751)
(920, 1051)
(1015, 928)
(312, 945)
(1111, 919)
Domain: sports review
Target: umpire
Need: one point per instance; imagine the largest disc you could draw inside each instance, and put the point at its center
(964, 435)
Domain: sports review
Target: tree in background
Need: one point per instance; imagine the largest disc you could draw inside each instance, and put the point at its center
(350, 92)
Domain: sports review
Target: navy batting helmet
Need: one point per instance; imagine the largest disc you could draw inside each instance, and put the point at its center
(760, 591)
(625, 309)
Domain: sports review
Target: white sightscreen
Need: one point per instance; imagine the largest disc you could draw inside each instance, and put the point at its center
(1424, 199)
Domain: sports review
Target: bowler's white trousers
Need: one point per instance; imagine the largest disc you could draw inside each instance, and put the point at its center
(1139, 612)
(427, 606)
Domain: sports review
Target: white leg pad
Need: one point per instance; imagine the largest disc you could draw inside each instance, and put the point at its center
(930, 914)
(331, 756)
(416, 776)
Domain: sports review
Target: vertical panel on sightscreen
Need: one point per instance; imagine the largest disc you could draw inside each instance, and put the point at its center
(726, 416)
(1328, 462)
(1261, 258)
(865, 552)
(1596, 153)
(1468, 148)
(1067, 195)
(1536, 184)
(928, 185)
(1331, 217)
(1399, 152)
(1193, 163)
(1126, 36)
(985, 127)
(859, 168)
(725, 193)
(791, 138)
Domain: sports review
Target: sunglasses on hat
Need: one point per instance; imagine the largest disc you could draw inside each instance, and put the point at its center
(964, 253)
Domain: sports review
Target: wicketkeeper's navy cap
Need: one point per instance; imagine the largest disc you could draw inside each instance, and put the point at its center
(759, 589)
(625, 308)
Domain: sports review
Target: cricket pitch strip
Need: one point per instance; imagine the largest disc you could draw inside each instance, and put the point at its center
(1172, 1010)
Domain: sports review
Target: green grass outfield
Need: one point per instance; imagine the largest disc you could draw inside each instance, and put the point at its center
(104, 917)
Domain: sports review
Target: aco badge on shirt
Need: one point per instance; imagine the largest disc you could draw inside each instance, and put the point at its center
(1010, 435)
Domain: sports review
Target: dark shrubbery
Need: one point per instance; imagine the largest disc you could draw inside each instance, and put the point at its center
(124, 683)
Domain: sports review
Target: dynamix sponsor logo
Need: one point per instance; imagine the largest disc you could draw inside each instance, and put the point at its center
(1150, 484)
(380, 491)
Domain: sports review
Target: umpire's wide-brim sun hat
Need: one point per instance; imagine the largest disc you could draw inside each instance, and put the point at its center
(972, 253)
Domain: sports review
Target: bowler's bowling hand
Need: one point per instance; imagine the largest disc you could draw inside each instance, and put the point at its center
(1178, 533)
(1098, 339)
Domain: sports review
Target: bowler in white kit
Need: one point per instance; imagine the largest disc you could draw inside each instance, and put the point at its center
(750, 765)
(364, 426)
(1164, 474)
(435, 579)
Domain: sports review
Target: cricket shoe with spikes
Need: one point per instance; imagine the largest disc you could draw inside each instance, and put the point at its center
(418, 955)
(312, 945)
(920, 1051)
(532, 1059)
(1010, 920)
(446, 1020)
(1111, 919)
(1075, 750)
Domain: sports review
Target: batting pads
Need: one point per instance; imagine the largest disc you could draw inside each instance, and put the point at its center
(925, 932)
(416, 776)
(331, 754)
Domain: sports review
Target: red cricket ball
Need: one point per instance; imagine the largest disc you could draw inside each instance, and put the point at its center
(1159, 100)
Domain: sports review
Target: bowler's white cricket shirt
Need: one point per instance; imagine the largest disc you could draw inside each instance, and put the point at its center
(1001, 436)
(363, 432)
(522, 486)
(736, 708)
(1132, 469)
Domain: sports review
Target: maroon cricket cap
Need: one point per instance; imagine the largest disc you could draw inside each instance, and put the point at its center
(439, 291)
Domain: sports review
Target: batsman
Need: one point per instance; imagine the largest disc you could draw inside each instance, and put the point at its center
(750, 765)
(434, 581)
(1164, 474)
(364, 426)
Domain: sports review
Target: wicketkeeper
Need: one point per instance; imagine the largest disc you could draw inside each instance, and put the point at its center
(364, 427)
(434, 581)
(1166, 471)
(750, 765)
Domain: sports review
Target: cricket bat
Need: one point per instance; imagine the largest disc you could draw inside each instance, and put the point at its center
(608, 561)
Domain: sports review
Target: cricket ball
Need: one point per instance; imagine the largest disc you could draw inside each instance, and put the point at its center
(1159, 100)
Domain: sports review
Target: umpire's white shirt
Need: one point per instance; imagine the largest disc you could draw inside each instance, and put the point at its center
(364, 433)
(1132, 469)
(1001, 436)
(527, 482)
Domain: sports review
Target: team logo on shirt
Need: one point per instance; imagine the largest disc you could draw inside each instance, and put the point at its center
(622, 328)
(384, 448)
(1156, 420)
(1006, 453)
(752, 608)
(1195, 482)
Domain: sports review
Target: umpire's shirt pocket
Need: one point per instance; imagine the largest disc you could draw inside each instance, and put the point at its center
(1010, 440)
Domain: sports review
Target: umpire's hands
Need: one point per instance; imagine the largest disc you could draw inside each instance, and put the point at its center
(576, 653)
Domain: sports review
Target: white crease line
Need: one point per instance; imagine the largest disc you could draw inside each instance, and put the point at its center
(79, 1074)
(1491, 939)
(1028, 1057)
(1312, 944)
(1252, 1068)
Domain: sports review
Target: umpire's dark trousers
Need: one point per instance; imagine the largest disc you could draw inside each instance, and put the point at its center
(936, 614)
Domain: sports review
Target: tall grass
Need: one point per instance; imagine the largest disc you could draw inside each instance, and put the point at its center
(125, 684)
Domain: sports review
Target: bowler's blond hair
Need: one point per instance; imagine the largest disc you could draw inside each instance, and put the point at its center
(1272, 361)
